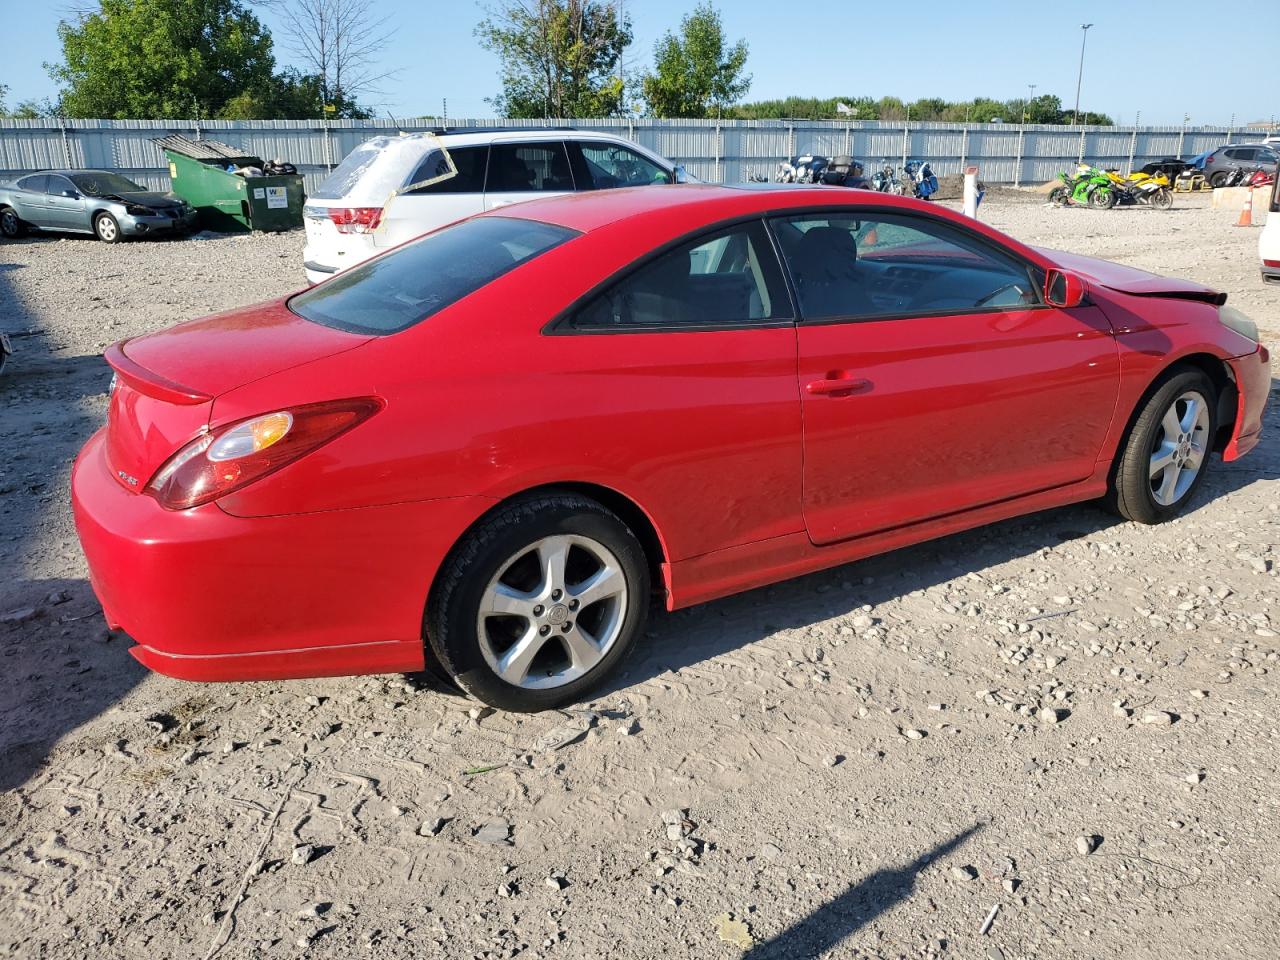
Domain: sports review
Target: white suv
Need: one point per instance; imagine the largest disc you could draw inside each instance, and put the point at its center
(392, 189)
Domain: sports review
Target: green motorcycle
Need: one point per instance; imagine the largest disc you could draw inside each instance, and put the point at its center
(1089, 187)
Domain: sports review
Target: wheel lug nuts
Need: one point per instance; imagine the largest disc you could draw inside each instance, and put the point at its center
(544, 630)
(573, 604)
(568, 625)
(556, 594)
(537, 611)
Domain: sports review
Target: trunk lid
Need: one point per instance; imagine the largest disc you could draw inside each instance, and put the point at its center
(1130, 280)
(166, 382)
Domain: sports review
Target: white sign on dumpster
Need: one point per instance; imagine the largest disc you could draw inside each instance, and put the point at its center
(277, 199)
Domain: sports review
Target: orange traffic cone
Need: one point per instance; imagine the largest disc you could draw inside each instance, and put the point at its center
(1246, 210)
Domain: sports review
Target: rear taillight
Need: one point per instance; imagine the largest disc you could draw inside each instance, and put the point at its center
(356, 219)
(228, 458)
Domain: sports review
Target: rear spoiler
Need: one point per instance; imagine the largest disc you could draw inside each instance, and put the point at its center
(1213, 297)
(149, 383)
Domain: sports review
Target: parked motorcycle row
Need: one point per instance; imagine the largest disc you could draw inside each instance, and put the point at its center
(917, 179)
(1104, 189)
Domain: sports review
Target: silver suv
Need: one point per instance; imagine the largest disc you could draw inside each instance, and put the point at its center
(1250, 156)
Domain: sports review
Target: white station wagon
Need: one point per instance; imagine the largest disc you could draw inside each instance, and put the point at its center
(392, 189)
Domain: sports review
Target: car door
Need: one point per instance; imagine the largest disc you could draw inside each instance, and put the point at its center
(66, 208)
(437, 202)
(526, 170)
(684, 370)
(933, 377)
(604, 165)
(29, 199)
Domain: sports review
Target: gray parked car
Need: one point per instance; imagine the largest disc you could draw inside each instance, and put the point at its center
(1249, 156)
(105, 204)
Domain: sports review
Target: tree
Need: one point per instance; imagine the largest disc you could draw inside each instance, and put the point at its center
(161, 59)
(292, 95)
(340, 43)
(697, 73)
(560, 58)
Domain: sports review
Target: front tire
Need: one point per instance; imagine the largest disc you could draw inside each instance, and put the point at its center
(1162, 199)
(540, 603)
(1166, 453)
(106, 229)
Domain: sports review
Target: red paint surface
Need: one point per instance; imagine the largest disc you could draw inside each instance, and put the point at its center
(746, 472)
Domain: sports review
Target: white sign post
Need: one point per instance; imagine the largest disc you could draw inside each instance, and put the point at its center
(971, 196)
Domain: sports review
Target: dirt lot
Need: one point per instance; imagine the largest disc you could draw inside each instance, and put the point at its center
(1066, 717)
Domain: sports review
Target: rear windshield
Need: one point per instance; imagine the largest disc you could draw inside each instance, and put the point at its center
(347, 174)
(404, 287)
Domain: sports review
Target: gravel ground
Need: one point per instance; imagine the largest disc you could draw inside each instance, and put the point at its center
(1065, 717)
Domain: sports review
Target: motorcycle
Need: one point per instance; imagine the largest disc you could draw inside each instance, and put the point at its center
(919, 180)
(1089, 187)
(844, 171)
(803, 169)
(1142, 188)
(841, 171)
(884, 181)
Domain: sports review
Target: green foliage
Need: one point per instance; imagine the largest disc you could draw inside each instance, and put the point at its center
(162, 59)
(1045, 108)
(292, 95)
(696, 73)
(560, 58)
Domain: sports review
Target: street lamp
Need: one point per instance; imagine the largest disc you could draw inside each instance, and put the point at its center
(1084, 35)
(1026, 111)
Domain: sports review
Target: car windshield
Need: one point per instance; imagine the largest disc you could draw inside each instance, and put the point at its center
(104, 184)
(405, 286)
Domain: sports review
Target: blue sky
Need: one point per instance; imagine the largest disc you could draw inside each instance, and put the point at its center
(1134, 62)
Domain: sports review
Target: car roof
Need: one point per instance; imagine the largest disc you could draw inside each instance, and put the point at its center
(699, 203)
(474, 137)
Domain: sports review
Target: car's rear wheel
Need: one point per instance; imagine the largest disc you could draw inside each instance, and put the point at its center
(1166, 453)
(106, 228)
(1219, 178)
(11, 224)
(539, 603)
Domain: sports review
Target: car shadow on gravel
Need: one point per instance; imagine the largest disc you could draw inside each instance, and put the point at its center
(59, 668)
(828, 926)
(686, 637)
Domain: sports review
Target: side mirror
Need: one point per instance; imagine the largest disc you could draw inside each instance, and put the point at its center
(1064, 290)
(682, 175)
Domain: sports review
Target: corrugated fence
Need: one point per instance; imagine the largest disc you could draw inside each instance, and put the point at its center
(719, 152)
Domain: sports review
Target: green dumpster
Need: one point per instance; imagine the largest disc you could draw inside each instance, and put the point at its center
(202, 174)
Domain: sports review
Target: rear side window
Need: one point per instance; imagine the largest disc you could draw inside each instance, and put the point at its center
(727, 278)
(34, 183)
(528, 167)
(404, 287)
(469, 162)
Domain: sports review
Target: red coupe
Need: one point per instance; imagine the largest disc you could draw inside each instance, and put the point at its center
(493, 444)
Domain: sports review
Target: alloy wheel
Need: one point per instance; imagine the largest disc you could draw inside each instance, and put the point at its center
(9, 223)
(106, 229)
(552, 612)
(1180, 447)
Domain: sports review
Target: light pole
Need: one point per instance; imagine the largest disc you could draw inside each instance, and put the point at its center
(1027, 109)
(1084, 35)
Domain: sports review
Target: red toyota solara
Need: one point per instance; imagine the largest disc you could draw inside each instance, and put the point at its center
(492, 445)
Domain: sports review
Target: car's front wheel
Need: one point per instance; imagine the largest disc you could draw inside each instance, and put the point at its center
(1166, 453)
(106, 228)
(541, 602)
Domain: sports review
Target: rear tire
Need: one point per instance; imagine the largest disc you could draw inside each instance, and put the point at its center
(1171, 437)
(106, 229)
(1219, 179)
(11, 225)
(503, 619)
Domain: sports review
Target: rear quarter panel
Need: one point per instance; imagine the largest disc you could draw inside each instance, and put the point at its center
(701, 430)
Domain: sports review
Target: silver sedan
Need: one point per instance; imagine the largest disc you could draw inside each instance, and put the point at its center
(105, 204)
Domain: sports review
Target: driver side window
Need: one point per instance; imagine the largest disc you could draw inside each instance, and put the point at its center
(897, 266)
(59, 187)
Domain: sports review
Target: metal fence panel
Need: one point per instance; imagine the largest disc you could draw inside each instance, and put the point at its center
(728, 151)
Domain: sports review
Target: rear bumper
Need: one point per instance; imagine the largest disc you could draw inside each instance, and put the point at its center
(1271, 274)
(1253, 382)
(209, 596)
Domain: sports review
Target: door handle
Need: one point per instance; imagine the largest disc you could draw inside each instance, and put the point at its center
(837, 384)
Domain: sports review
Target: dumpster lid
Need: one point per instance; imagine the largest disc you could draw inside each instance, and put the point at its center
(201, 149)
